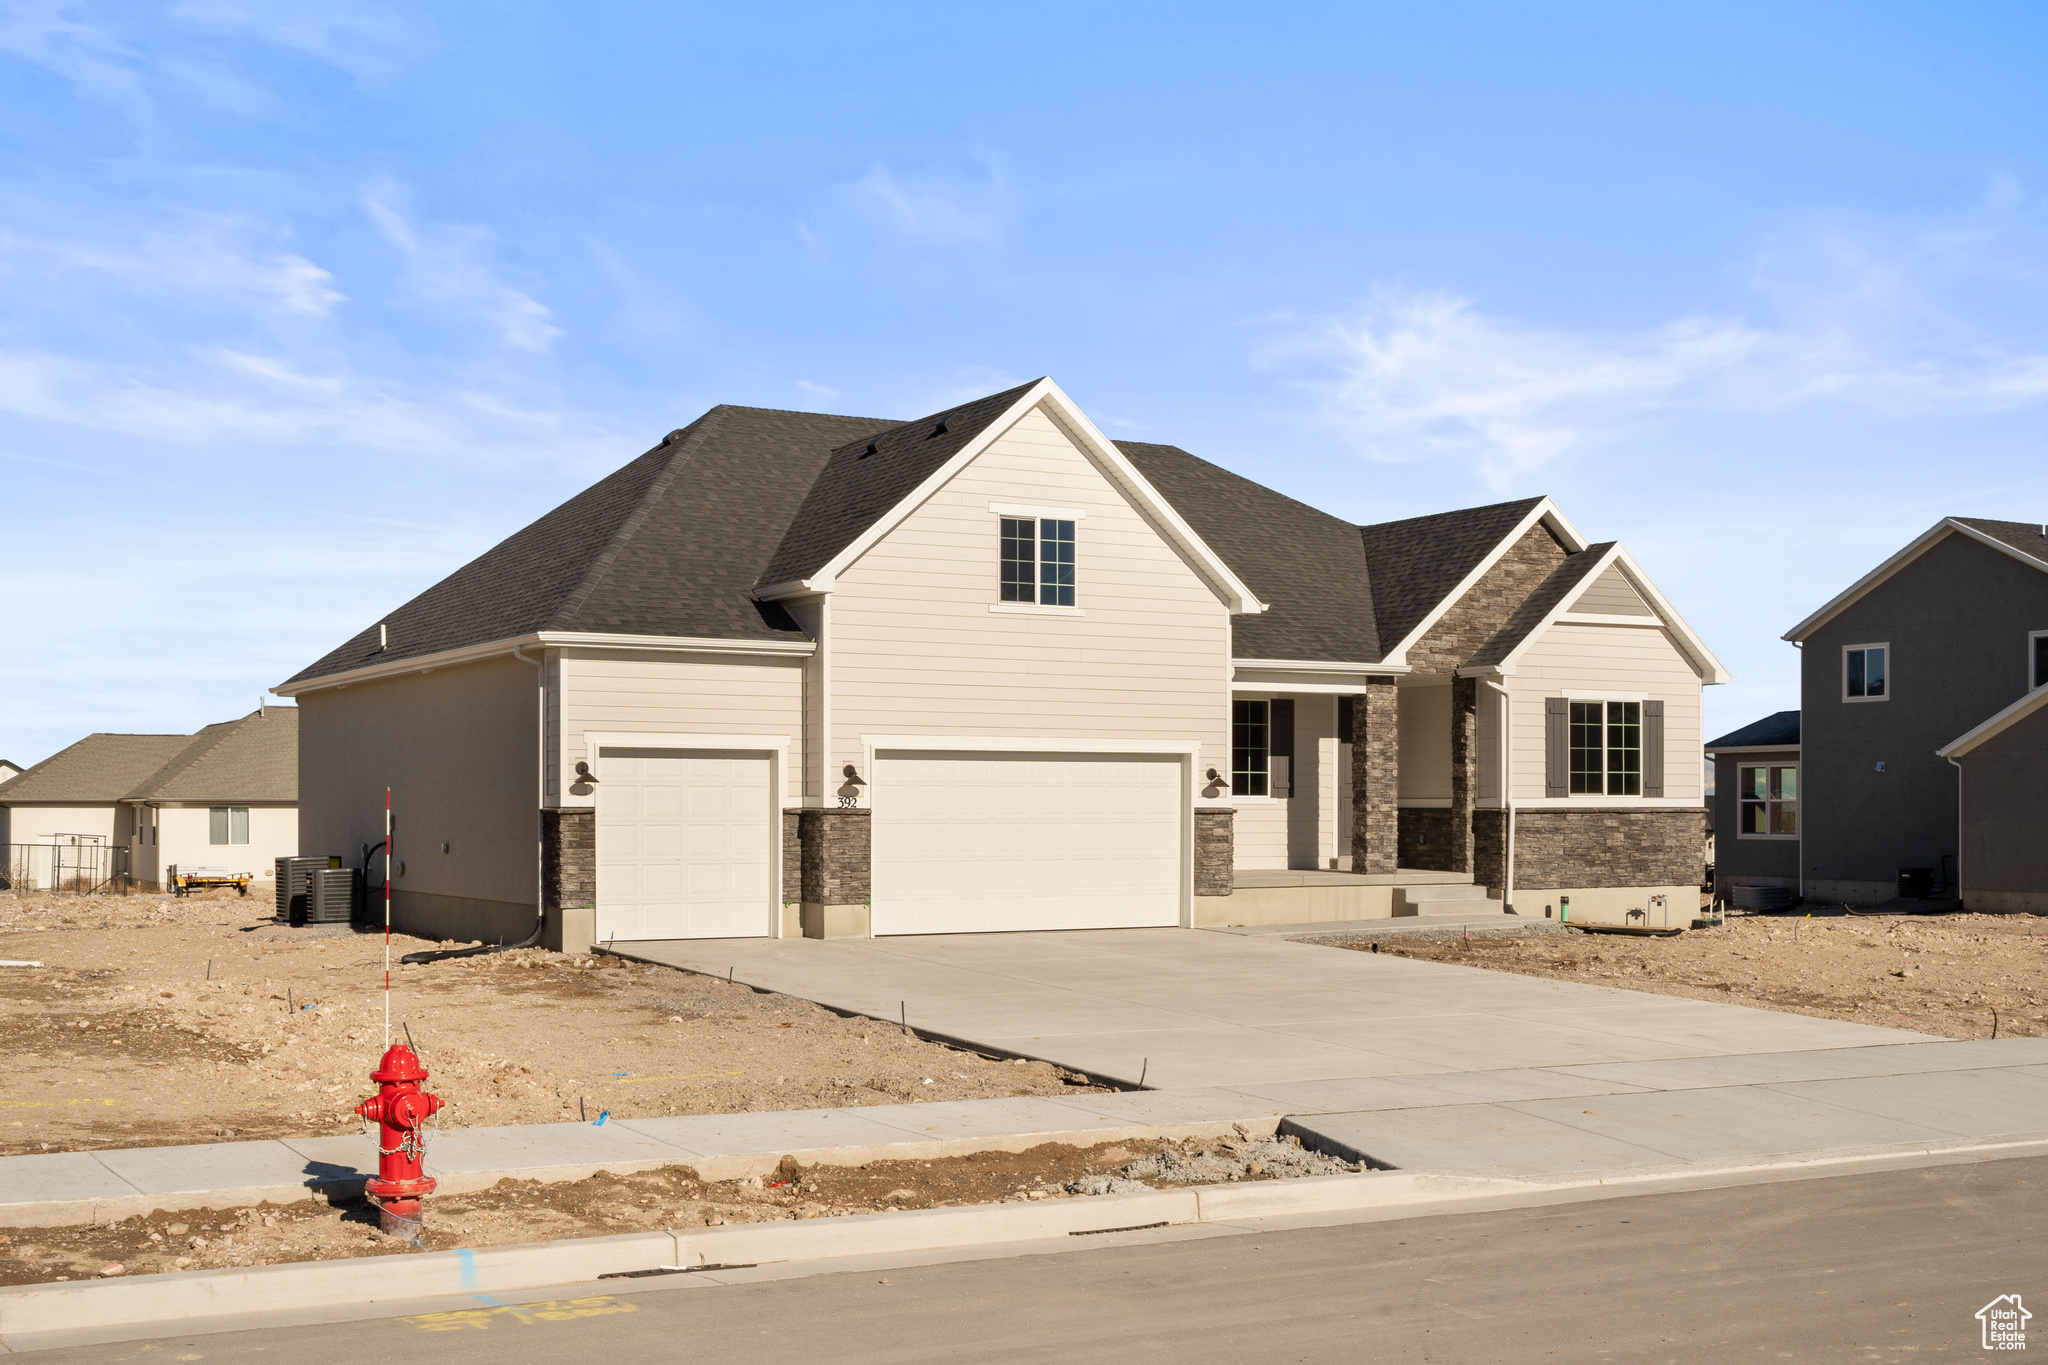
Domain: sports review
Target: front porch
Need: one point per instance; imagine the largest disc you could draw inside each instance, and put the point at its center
(1305, 895)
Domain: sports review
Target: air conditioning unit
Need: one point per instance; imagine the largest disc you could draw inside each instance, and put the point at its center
(331, 895)
(291, 885)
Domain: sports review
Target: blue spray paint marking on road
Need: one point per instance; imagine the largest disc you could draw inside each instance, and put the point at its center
(467, 1260)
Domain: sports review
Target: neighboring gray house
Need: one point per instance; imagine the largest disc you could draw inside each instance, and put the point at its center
(2004, 765)
(1940, 638)
(791, 673)
(1756, 804)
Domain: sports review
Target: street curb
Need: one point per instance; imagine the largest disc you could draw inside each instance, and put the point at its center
(195, 1295)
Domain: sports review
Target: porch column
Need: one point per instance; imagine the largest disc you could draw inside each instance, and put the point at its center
(1464, 769)
(1375, 777)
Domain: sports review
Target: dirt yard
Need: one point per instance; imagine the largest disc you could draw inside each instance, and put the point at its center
(1939, 974)
(156, 1021)
(522, 1211)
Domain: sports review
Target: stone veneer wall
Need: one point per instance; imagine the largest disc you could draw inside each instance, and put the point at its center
(1376, 778)
(1485, 608)
(1464, 770)
(1215, 851)
(792, 855)
(568, 859)
(836, 849)
(1573, 848)
(1426, 842)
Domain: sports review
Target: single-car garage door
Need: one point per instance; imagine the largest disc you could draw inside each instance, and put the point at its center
(975, 842)
(684, 844)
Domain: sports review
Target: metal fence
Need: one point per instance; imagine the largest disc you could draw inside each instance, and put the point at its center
(83, 868)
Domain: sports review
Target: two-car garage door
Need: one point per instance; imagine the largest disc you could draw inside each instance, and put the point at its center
(975, 842)
(963, 842)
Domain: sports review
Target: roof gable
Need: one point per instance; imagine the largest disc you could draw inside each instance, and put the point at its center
(255, 758)
(1564, 595)
(1418, 563)
(2023, 541)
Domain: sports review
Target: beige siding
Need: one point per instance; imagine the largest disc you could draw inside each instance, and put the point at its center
(1425, 730)
(1611, 595)
(457, 747)
(40, 824)
(666, 694)
(1259, 831)
(184, 838)
(916, 650)
(1588, 660)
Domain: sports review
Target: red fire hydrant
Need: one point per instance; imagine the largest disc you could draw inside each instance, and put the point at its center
(399, 1108)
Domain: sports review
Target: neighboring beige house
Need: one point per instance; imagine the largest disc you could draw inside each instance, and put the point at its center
(789, 673)
(225, 797)
(9, 770)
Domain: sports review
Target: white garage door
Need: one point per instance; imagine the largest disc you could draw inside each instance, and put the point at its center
(973, 842)
(683, 844)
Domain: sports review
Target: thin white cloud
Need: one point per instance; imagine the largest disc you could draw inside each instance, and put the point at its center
(215, 258)
(934, 209)
(817, 393)
(1416, 375)
(446, 266)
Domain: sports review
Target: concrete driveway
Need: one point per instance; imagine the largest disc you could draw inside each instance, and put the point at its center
(1174, 1008)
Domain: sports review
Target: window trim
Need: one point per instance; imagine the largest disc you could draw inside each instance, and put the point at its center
(2033, 649)
(1741, 799)
(1891, 674)
(1264, 775)
(1037, 516)
(228, 823)
(1604, 700)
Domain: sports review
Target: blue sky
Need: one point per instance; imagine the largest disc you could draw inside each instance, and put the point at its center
(303, 305)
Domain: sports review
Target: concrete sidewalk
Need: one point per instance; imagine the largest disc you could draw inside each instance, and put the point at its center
(1183, 1008)
(1612, 1119)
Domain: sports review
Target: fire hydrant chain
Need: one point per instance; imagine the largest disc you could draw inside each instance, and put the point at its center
(399, 1108)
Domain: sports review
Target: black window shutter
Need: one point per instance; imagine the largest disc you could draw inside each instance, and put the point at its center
(1557, 750)
(1280, 747)
(1653, 748)
(1344, 720)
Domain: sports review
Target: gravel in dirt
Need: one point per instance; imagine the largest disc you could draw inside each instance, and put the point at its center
(513, 1211)
(1946, 975)
(158, 1020)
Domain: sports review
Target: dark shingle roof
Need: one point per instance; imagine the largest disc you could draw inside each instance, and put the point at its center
(1780, 730)
(672, 544)
(1418, 562)
(100, 767)
(676, 542)
(2023, 536)
(1307, 566)
(255, 758)
(858, 486)
(1539, 603)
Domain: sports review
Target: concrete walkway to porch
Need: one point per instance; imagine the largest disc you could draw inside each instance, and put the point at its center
(1173, 1008)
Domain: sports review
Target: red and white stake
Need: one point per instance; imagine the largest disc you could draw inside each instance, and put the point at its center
(387, 917)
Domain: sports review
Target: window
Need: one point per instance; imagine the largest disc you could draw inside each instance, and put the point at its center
(1864, 674)
(1250, 732)
(1038, 561)
(227, 825)
(1769, 797)
(1607, 748)
(2037, 659)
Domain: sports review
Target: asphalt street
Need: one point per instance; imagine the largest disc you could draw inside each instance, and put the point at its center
(1878, 1267)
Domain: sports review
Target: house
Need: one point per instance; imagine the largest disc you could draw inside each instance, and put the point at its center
(789, 673)
(135, 805)
(2003, 808)
(1756, 804)
(1933, 643)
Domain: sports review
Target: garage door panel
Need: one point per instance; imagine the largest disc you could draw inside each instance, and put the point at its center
(984, 842)
(685, 844)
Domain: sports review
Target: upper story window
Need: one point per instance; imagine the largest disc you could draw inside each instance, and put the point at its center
(2037, 659)
(1769, 796)
(1251, 732)
(1607, 748)
(1866, 673)
(227, 825)
(1038, 561)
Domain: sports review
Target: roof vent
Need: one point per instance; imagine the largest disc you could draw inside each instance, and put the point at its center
(874, 444)
(944, 422)
(673, 437)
